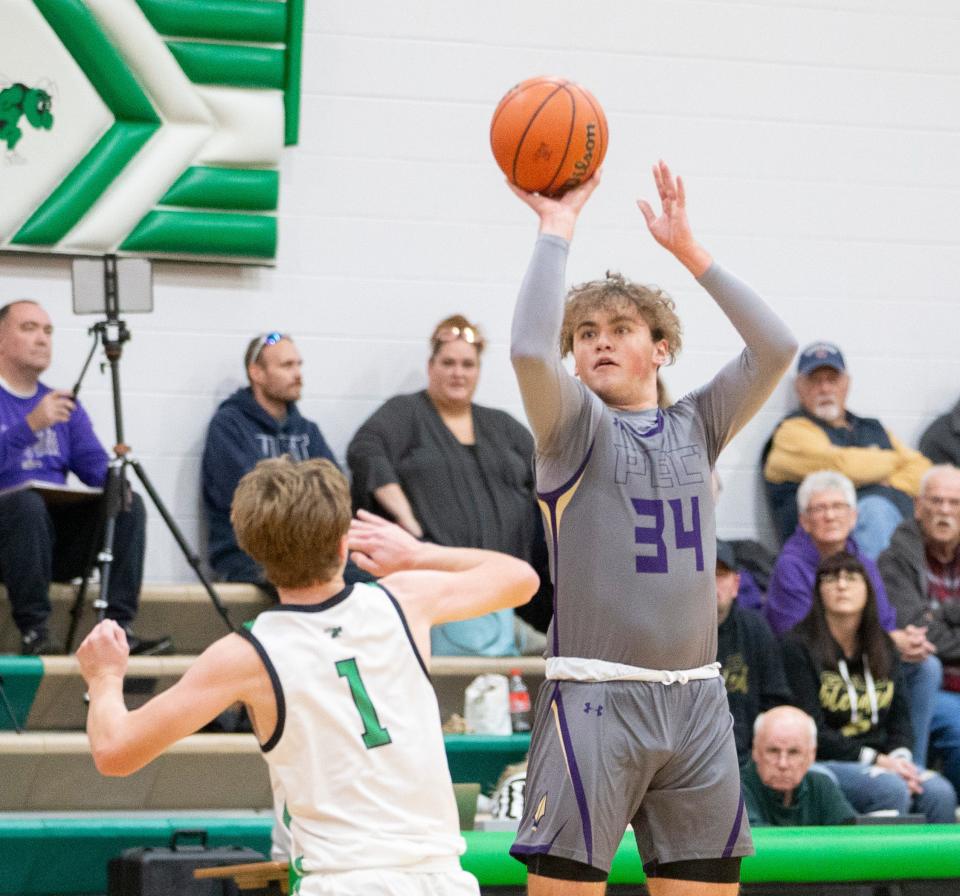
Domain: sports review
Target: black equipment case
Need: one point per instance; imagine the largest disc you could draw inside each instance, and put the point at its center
(168, 871)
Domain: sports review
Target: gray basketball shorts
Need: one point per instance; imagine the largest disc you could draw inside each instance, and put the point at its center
(661, 757)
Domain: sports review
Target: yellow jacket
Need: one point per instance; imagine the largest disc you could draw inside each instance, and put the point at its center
(800, 446)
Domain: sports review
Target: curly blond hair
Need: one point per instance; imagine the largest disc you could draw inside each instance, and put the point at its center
(614, 293)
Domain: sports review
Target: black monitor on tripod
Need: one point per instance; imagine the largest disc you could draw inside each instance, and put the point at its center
(110, 286)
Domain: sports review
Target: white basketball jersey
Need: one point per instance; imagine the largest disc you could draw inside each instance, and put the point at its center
(357, 752)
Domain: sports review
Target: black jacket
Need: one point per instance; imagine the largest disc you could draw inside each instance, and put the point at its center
(752, 670)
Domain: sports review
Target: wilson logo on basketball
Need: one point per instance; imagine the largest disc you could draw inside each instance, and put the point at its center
(582, 166)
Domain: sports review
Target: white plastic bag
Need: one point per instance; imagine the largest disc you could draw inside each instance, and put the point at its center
(486, 705)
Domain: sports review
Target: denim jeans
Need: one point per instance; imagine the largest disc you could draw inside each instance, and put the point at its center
(870, 788)
(945, 734)
(877, 517)
(923, 682)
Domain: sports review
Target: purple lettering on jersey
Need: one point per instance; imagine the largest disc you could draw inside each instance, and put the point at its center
(688, 538)
(650, 535)
(653, 535)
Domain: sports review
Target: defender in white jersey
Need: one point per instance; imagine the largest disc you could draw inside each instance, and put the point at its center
(335, 681)
(632, 724)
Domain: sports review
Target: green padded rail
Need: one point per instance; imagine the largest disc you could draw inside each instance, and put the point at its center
(784, 855)
(20, 677)
(46, 855)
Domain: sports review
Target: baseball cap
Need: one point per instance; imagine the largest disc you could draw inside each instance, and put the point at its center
(820, 354)
(725, 555)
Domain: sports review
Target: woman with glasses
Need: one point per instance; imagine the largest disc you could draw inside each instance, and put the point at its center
(451, 472)
(844, 671)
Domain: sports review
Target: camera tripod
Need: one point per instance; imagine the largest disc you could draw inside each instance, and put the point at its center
(112, 333)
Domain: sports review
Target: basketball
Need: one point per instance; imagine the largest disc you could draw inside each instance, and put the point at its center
(548, 135)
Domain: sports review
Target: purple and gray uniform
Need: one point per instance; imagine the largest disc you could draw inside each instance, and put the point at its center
(628, 508)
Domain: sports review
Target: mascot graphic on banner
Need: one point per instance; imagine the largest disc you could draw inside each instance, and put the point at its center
(18, 101)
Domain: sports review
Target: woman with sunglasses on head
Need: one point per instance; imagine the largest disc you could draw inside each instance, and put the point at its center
(452, 472)
(844, 671)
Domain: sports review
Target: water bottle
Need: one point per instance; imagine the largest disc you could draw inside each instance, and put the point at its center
(519, 703)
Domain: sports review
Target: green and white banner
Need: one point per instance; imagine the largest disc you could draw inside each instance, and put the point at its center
(146, 127)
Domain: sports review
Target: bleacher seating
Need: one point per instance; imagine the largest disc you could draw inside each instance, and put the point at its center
(54, 772)
(49, 766)
(183, 611)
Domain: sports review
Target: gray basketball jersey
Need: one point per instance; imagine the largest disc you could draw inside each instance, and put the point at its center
(626, 496)
(632, 541)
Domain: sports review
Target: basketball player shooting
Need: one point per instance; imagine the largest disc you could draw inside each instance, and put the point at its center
(335, 681)
(632, 724)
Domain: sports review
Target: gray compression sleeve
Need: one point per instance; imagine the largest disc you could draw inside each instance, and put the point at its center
(741, 386)
(766, 336)
(551, 397)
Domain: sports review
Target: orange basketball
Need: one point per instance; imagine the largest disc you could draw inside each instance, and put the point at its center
(548, 135)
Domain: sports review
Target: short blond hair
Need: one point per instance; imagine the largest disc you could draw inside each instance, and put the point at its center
(291, 517)
(614, 293)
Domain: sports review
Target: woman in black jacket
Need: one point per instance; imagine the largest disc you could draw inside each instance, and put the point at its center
(455, 473)
(844, 671)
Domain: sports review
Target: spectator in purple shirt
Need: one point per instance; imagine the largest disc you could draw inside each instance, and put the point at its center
(827, 504)
(44, 435)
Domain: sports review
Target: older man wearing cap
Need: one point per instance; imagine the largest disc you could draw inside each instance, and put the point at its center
(823, 435)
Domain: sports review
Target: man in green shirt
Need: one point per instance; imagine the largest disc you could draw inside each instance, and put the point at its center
(778, 786)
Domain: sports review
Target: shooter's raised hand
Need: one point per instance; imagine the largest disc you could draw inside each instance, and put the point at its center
(670, 228)
(559, 216)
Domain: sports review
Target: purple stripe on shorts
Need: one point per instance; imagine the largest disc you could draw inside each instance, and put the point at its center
(536, 849)
(574, 774)
(732, 839)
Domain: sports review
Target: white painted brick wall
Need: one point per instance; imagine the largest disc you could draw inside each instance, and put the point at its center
(819, 141)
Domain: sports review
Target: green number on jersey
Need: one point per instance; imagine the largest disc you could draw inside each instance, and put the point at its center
(374, 734)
